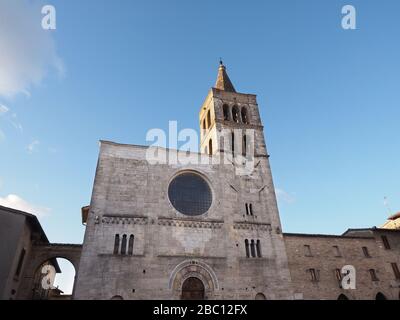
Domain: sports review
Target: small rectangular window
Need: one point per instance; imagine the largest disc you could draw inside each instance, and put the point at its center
(372, 273)
(336, 251)
(314, 274)
(307, 250)
(338, 275)
(20, 262)
(385, 242)
(396, 271)
(366, 253)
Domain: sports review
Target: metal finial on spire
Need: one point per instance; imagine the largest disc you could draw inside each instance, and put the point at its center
(221, 62)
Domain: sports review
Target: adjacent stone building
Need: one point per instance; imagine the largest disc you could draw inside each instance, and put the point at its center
(316, 261)
(24, 250)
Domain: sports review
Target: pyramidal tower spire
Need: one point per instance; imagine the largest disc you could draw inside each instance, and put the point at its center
(223, 82)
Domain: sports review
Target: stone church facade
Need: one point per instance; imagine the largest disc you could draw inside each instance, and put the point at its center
(198, 230)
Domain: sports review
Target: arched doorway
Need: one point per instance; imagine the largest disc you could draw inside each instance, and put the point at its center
(260, 296)
(343, 297)
(380, 296)
(192, 289)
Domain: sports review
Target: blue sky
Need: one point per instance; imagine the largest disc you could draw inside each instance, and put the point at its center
(328, 97)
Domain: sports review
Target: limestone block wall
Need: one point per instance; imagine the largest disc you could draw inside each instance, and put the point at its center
(323, 257)
(130, 196)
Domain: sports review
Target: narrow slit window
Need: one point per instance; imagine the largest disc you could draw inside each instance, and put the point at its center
(307, 250)
(116, 244)
(373, 275)
(366, 252)
(246, 244)
(386, 243)
(130, 247)
(233, 143)
(258, 246)
(253, 249)
(123, 244)
(244, 146)
(20, 262)
(338, 275)
(396, 271)
(313, 274)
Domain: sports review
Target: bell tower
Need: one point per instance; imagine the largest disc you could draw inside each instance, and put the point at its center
(230, 121)
(232, 134)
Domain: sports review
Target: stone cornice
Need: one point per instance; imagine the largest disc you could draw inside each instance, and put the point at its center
(124, 219)
(191, 223)
(247, 225)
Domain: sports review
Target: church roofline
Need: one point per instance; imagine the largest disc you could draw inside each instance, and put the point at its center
(117, 144)
(233, 93)
(373, 229)
(32, 219)
(305, 235)
(124, 144)
(395, 216)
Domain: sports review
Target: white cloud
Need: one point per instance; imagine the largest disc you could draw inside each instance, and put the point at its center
(27, 52)
(284, 196)
(15, 202)
(15, 123)
(33, 146)
(3, 109)
(11, 118)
